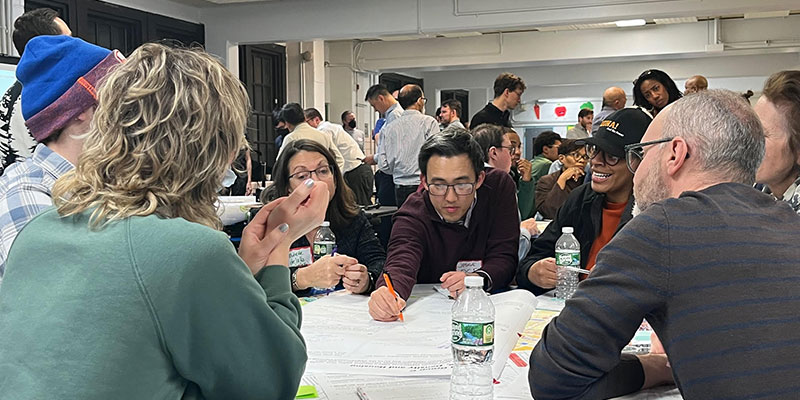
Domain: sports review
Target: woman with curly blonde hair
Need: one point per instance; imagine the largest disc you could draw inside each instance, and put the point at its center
(127, 289)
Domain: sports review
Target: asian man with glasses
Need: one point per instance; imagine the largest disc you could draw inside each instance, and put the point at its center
(463, 222)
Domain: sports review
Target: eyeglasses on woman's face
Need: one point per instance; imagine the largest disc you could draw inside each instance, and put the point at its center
(322, 172)
(592, 151)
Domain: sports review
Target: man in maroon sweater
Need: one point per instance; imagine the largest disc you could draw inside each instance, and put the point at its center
(464, 222)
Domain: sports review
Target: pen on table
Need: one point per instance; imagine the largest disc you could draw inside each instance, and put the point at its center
(361, 394)
(391, 290)
(576, 269)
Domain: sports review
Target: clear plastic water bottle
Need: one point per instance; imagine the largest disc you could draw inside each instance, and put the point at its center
(324, 241)
(568, 254)
(473, 343)
(324, 244)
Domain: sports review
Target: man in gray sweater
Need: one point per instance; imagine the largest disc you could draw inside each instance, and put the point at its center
(710, 262)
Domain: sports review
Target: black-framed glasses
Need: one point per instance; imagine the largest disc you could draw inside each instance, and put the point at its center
(578, 156)
(592, 151)
(634, 153)
(321, 173)
(461, 189)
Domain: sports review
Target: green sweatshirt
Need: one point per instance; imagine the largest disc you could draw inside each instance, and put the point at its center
(145, 308)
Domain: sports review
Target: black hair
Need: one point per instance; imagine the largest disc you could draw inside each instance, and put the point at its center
(546, 138)
(291, 113)
(453, 104)
(657, 75)
(341, 209)
(345, 114)
(409, 96)
(568, 146)
(508, 81)
(451, 143)
(376, 90)
(311, 113)
(584, 112)
(38, 22)
(488, 136)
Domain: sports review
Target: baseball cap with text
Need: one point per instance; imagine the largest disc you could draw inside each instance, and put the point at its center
(620, 128)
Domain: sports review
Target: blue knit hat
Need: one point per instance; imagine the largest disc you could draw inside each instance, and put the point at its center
(59, 75)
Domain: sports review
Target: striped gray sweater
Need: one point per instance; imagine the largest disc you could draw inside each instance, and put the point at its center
(716, 273)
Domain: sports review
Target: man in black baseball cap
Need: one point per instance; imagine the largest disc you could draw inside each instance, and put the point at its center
(596, 210)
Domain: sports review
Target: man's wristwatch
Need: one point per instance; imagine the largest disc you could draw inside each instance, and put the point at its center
(293, 276)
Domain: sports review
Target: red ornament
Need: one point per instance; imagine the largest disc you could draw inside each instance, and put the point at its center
(536, 110)
(561, 111)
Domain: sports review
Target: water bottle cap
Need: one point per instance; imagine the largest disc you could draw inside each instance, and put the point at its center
(567, 229)
(473, 281)
(326, 223)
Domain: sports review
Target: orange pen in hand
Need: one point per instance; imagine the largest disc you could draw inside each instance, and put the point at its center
(391, 290)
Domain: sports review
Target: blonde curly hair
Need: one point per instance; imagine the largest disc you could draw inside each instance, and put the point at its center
(168, 123)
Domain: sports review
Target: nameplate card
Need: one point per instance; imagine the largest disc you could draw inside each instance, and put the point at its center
(469, 266)
(300, 257)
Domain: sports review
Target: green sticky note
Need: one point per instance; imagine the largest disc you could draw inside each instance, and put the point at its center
(306, 392)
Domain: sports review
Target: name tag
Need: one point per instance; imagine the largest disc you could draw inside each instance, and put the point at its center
(300, 257)
(469, 266)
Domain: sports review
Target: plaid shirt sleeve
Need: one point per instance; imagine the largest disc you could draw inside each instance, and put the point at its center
(20, 204)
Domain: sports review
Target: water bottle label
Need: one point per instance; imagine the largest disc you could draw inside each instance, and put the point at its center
(568, 259)
(473, 333)
(321, 249)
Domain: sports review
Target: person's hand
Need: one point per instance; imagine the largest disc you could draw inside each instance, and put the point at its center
(575, 173)
(524, 166)
(530, 225)
(304, 209)
(325, 272)
(356, 278)
(655, 345)
(256, 244)
(656, 370)
(543, 273)
(369, 160)
(453, 281)
(251, 188)
(294, 215)
(383, 306)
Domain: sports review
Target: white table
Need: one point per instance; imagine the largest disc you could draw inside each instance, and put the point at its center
(513, 381)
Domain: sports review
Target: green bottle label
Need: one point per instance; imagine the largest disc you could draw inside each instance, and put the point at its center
(568, 259)
(473, 333)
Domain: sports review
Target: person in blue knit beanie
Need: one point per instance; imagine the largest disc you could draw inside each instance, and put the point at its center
(59, 76)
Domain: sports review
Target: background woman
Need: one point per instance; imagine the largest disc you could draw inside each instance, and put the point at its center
(778, 109)
(360, 256)
(552, 190)
(127, 289)
(653, 90)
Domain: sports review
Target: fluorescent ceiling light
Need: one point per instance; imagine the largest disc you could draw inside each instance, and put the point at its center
(679, 20)
(630, 22)
(461, 34)
(767, 14)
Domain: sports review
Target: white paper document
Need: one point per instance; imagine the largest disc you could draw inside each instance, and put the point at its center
(343, 339)
(343, 387)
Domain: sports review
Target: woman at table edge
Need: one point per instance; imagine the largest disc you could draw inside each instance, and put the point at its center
(359, 259)
(133, 290)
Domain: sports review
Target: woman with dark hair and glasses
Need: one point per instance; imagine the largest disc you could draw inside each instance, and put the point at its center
(359, 258)
(653, 90)
(595, 211)
(552, 190)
